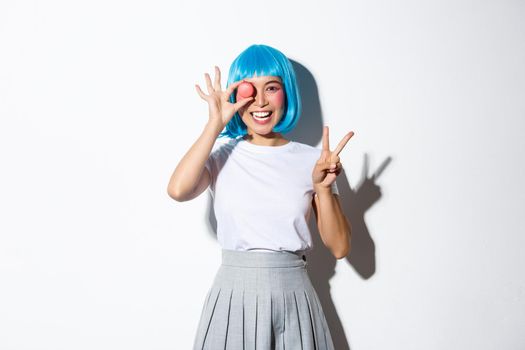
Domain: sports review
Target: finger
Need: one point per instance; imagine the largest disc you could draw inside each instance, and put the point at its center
(381, 168)
(364, 170)
(343, 142)
(238, 105)
(334, 159)
(208, 83)
(232, 87)
(324, 166)
(217, 79)
(200, 92)
(326, 143)
(334, 168)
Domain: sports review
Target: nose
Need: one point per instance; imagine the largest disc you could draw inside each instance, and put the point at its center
(260, 99)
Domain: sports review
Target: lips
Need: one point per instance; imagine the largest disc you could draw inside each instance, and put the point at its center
(261, 114)
(261, 117)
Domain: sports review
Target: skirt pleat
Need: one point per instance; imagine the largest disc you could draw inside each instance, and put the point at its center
(305, 318)
(250, 320)
(263, 334)
(218, 325)
(278, 320)
(262, 301)
(292, 323)
(234, 339)
(205, 321)
(319, 332)
(326, 330)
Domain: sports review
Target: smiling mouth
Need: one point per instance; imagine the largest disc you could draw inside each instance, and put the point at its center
(261, 115)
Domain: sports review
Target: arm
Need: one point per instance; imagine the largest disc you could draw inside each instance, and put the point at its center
(190, 178)
(334, 227)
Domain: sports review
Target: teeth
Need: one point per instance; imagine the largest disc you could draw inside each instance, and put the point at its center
(261, 114)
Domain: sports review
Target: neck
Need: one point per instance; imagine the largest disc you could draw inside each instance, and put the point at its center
(271, 139)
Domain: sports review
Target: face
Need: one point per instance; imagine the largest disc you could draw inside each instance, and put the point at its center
(269, 96)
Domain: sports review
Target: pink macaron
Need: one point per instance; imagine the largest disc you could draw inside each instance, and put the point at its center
(245, 90)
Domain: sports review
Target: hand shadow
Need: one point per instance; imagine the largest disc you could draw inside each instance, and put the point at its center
(321, 263)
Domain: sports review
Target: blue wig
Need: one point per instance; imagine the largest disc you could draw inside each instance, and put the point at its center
(263, 60)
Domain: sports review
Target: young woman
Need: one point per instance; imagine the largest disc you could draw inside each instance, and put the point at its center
(264, 188)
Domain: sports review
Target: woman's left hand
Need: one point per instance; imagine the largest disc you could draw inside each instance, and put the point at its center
(328, 166)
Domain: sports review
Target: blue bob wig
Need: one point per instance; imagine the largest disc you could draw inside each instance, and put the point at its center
(263, 60)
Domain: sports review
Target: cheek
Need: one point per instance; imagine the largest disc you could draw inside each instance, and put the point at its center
(278, 98)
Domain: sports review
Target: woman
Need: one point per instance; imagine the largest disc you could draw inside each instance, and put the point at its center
(264, 188)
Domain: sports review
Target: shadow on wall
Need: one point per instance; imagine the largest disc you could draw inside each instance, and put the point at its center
(355, 202)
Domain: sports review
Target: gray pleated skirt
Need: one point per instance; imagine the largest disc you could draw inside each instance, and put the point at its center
(262, 300)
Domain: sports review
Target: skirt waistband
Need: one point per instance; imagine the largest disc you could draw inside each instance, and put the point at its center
(270, 259)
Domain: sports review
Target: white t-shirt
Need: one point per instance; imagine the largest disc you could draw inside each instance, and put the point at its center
(262, 195)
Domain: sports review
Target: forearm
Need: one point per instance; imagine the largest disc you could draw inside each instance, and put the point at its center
(187, 173)
(333, 226)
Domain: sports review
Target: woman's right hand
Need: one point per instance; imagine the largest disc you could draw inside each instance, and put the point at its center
(220, 108)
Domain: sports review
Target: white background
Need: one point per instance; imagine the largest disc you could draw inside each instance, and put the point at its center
(98, 105)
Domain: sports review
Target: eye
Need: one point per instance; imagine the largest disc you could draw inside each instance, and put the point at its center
(273, 88)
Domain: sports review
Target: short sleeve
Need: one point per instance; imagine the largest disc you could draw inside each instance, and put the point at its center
(215, 162)
(208, 163)
(211, 165)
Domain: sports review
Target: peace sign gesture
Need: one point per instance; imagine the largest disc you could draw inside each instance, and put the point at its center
(328, 166)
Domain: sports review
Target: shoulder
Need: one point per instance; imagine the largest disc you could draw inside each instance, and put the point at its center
(305, 154)
(306, 149)
(224, 144)
(221, 150)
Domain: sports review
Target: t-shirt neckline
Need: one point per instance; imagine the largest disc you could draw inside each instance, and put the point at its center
(245, 144)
